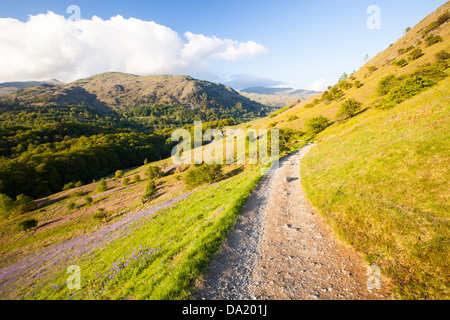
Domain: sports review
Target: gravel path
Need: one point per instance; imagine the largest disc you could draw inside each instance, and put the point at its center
(280, 249)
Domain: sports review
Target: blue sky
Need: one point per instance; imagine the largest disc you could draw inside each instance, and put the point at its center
(305, 44)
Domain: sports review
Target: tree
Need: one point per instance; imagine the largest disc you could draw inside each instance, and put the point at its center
(154, 172)
(119, 173)
(6, 205)
(102, 187)
(24, 204)
(150, 190)
(317, 124)
(206, 173)
(28, 224)
(407, 30)
(349, 108)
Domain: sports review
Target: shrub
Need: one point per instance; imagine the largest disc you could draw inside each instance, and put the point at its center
(401, 63)
(416, 54)
(442, 55)
(436, 24)
(24, 204)
(6, 205)
(100, 215)
(310, 105)
(102, 187)
(88, 200)
(68, 186)
(71, 205)
(372, 68)
(386, 84)
(206, 173)
(411, 86)
(126, 181)
(349, 108)
(432, 39)
(357, 84)
(137, 178)
(78, 184)
(317, 124)
(28, 224)
(292, 118)
(154, 172)
(119, 174)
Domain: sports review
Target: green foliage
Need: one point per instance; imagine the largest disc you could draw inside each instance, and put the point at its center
(205, 173)
(6, 206)
(137, 178)
(349, 108)
(119, 174)
(442, 55)
(154, 172)
(100, 215)
(436, 24)
(28, 224)
(407, 29)
(317, 124)
(386, 84)
(415, 54)
(24, 204)
(71, 205)
(150, 190)
(401, 62)
(292, 117)
(69, 186)
(126, 181)
(432, 39)
(102, 186)
(88, 200)
(372, 69)
(78, 184)
(357, 84)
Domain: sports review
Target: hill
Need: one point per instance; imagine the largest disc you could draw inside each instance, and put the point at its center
(182, 97)
(7, 88)
(276, 97)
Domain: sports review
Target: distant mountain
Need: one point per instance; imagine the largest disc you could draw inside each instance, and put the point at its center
(277, 97)
(7, 88)
(124, 92)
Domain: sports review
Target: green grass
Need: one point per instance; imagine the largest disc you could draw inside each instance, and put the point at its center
(175, 246)
(381, 180)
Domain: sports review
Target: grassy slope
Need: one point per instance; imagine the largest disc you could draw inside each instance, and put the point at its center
(381, 178)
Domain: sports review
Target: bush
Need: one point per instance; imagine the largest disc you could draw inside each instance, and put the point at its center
(317, 124)
(206, 173)
(442, 55)
(415, 54)
(372, 68)
(292, 118)
(411, 86)
(150, 190)
(349, 108)
(137, 178)
(24, 204)
(436, 24)
(102, 187)
(357, 84)
(432, 39)
(100, 215)
(28, 224)
(88, 200)
(119, 174)
(71, 205)
(154, 172)
(6, 206)
(68, 186)
(386, 84)
(126, 181)
(401, 63)
(78, 184)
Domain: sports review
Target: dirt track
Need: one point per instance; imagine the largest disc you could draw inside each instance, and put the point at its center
(281, 249)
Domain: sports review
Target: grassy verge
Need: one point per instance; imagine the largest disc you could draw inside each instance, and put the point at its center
(164, 255)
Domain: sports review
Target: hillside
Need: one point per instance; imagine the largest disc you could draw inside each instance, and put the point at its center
(7, 88)
(277, 97)
(127, 93)
(379, 171)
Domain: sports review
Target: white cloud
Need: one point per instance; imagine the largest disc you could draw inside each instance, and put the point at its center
(49, 46)
(247, 80)
(318, 85)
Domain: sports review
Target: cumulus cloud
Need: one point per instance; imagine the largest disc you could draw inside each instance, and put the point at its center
(50, 46)
(318, 85)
